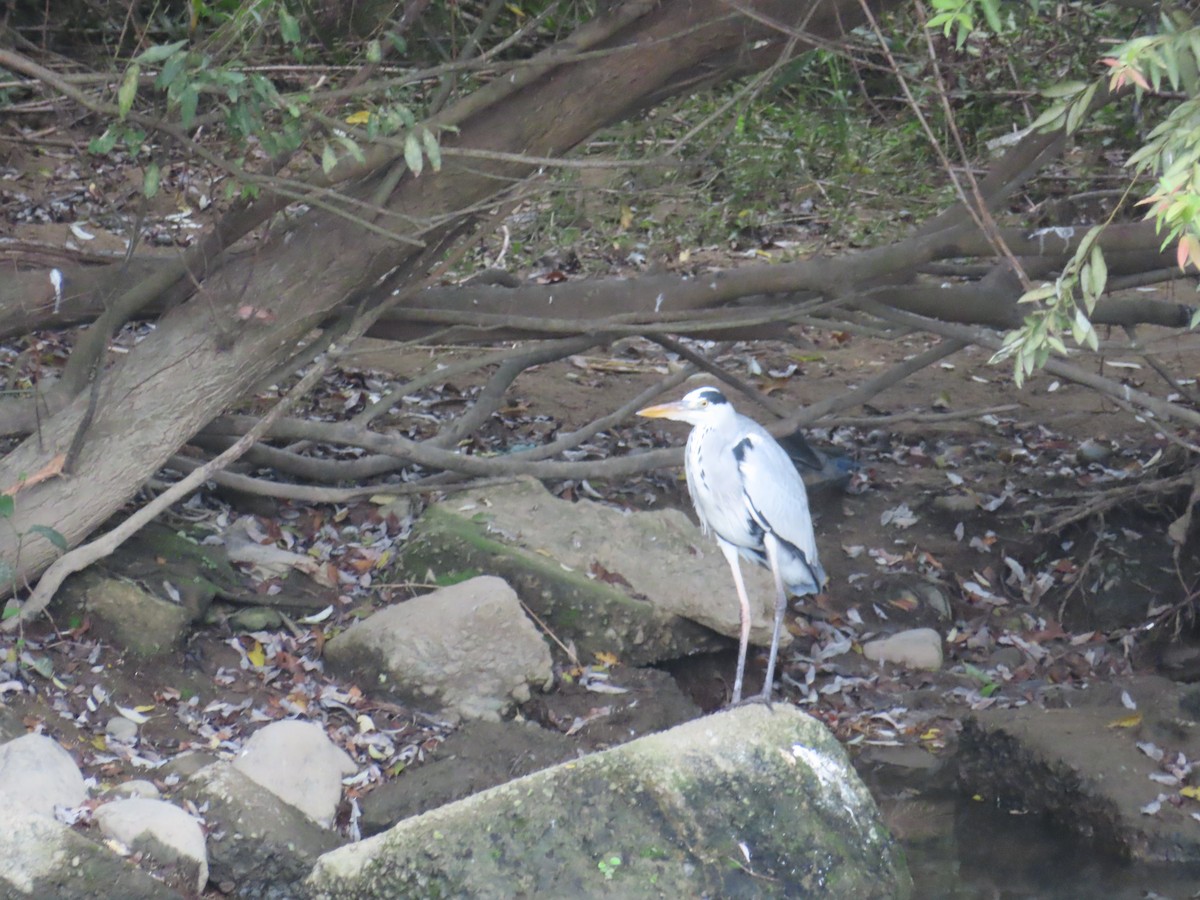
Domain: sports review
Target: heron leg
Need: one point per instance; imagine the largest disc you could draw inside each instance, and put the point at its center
(772, 547)
(731, 555)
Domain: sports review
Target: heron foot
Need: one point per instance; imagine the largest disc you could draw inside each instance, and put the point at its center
(764, 698)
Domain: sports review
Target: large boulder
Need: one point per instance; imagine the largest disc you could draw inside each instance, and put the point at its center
(36, 774)
(166, 836)
(299, 764)
(258, 846)
(130, 616)
(468, 648)
(1095, 766)
(748, 802)
(646, 586)
(40, 858)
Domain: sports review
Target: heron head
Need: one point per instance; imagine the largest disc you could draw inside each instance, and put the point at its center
(695, 407)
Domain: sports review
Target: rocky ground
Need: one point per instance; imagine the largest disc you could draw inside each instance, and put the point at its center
(937, 529)
(962, 514)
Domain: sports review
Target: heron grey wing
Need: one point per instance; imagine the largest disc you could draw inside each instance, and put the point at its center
(775, 495)
(715, 483)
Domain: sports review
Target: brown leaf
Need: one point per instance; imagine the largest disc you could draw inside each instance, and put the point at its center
(46, 472)
(600, 573)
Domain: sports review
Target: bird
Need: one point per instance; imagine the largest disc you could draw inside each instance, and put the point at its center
(750, 497)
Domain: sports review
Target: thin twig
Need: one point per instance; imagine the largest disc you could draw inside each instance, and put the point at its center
(914, 416)
(550, 634)
(492, 395)
(1164, 409)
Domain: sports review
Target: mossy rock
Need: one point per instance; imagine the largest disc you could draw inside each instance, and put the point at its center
(595, 615)
(674, 814)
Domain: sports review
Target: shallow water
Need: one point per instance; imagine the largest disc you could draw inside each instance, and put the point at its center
(964, 849)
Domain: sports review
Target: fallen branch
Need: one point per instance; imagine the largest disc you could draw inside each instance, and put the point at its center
(1110, 498)
(1163, 409)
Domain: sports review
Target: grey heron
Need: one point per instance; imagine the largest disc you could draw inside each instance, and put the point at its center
(749, 495)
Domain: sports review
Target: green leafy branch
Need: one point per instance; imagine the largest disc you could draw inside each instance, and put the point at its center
(1171, 155)
(1067, 307)
(958, 17)
(251, 107)
(8, 574)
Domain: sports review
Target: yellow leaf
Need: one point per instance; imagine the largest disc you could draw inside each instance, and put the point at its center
(932, 734)
(1191, 791)
(1130, 721)
(100, 743)
(362, 117)
(626, 217)
(257, 656)
(605, 658)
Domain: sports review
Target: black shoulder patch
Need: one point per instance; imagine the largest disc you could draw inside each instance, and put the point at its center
(740, 449)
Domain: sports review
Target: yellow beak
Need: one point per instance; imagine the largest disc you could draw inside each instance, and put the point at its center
(662, 411)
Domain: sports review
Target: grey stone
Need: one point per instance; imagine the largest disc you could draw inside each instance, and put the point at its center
(299, 764)
(121, 729)
(256, 618)
(133, 618)
(645, 586)
(163, 832)
(917, 648)
(41, 859)
(257, 844)
(1009, 657)
(469, 647)
(662, 816)
(36, 774)
(187, 764)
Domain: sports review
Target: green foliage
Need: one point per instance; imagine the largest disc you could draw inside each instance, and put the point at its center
(987, 685)
(807, 149)
(1065, 307)
(8, 572)
(959, 17)
(251, 105)
(1170, 154)
(52, 535)
(609, 866)
(248, 103)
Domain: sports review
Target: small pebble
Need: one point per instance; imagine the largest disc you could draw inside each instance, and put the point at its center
(121, 729)
(918, 648)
